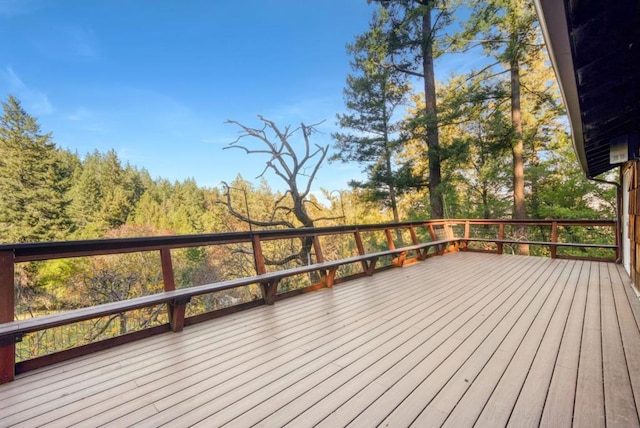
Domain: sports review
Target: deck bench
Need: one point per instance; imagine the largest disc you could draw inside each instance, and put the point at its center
(557, 244)
(177, 300)
(553, 246)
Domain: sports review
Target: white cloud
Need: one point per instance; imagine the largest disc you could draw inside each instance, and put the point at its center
(35, 101)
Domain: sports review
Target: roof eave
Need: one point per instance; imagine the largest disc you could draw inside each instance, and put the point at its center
(553, 22)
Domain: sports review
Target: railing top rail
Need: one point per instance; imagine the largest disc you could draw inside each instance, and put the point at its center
(594, 222)
(24, 252)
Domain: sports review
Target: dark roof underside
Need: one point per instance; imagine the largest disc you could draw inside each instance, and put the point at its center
(604, 44)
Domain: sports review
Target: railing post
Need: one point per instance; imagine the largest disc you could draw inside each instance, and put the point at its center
(7, 314)
(500, 245)
(432, 232)
(269, 289)
(317, 248)
(414, 237)
(618, 232)
(326, 274)
(258, 258)
(177, 308)
(467, 233)
(360, 247)
(390, 244)
(554, 238)
(167, 270)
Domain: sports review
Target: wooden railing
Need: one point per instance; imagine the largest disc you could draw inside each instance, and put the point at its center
(403, 242)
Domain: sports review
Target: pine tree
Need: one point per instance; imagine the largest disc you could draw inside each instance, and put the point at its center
(33, 180)
(412, 31)
(507, 31)
(372, 95)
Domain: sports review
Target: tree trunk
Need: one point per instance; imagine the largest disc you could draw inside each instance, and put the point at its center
(431, 116)
(520, 212)
(393, 197)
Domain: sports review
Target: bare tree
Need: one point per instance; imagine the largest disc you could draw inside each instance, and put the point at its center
(296, 169)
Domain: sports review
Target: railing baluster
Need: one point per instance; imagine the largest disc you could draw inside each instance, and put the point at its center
(7, 314)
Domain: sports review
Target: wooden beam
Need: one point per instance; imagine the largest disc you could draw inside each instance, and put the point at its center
(360, 246)
(258, 258)
(554, 239)
(176, 315)
(317, 248)
(7, 314)
(167, 270)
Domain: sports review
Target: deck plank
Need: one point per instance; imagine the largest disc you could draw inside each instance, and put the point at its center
(620, 409)
(224, 375)
(491, 362)
(375, 374)
(424, 380)
(628, 327)
(491, 397)
(335, 344)
(463, 339)
(357, 361)
(589, 399)
(146, 367)
(558, 408)
(529, 406)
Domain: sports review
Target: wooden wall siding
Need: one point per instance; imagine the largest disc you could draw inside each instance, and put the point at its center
(634, 221)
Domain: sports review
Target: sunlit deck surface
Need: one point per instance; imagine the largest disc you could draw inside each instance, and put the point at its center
(460, 340)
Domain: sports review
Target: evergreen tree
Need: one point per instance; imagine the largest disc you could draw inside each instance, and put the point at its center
(33, 180)
(474, 130)
(372, 95)
(104, 193)
(507, 32)
(412, 31)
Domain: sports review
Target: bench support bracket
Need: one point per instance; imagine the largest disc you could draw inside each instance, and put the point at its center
(177, 309)
(269, 290)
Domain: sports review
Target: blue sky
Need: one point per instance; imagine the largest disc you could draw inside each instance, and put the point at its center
(155, 80)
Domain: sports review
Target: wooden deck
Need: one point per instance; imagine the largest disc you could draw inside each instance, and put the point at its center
(461, 340)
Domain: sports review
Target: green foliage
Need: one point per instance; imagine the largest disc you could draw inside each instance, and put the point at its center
(51, 194)
(33, 180)
(564, 192)
(413, 31)
(104, 192)
(372, 96)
